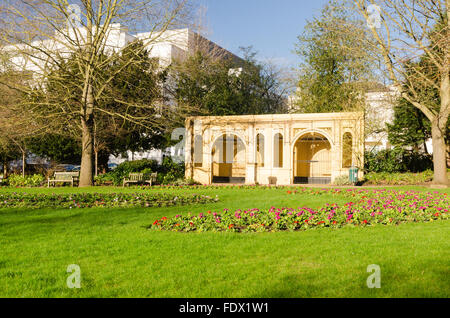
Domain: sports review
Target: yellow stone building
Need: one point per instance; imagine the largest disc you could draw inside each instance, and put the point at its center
(274, 149)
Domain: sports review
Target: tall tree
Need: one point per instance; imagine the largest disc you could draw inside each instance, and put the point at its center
(332, 76)
(44, 33)
(409, 128)
(15, 126)
(406, 32)
(60, 148)
(137, 84)
(222, 86)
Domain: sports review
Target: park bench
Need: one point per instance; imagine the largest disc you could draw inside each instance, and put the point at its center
(140, 178)
(64, 177)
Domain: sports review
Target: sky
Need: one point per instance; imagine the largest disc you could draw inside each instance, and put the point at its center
(270, 26)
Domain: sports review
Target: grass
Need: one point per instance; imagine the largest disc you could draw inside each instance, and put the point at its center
(119, 257)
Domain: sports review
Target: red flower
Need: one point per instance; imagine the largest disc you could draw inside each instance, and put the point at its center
(230, 226)
(365, 221)
(334, 222)
(321, 222)
(155, 223)
(289, 192)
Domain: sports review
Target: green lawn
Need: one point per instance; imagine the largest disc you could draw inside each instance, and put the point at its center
(119, 257)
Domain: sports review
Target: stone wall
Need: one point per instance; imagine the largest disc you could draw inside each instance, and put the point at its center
(329, 128)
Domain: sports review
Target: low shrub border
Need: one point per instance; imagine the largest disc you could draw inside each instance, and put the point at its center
(107, 200)
(367, 207)
(385, 178)
(16, 180)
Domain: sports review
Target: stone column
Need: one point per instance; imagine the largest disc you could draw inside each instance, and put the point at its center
(188, 149)
(287, 162)
(207, 146)
(250, 166)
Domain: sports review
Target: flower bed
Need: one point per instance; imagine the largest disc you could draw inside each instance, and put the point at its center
(108, 200)
(219, 187)
(367, 207)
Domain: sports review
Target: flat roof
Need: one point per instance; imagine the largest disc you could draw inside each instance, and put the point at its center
(282, 117)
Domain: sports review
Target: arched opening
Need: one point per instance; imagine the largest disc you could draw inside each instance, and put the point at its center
(198, 151)
(260, 150)
(228, 160)
(312, 159)
(278, 150)
(347, 150)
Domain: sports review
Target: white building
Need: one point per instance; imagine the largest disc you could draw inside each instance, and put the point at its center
(379, 111)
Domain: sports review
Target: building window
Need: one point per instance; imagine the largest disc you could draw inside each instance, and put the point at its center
(198, 151)
(347, 150)
(260, 150)
(278, 151)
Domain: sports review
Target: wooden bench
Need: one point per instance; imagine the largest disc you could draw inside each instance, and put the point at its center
(140, 178)
(64, 177)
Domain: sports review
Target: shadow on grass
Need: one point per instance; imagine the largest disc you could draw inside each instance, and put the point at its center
(397, 281)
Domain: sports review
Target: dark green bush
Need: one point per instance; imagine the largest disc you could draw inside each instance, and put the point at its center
(104, 179)
(168, 171)
(17, 180)
(125, 168)
(396, 160)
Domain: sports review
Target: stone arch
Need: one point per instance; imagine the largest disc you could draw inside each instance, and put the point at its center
(318, 131)
(218, 134)
(198, 151)
(347, 149)
(260, 146)
(228, 159)
(312, 158)
(278, 150)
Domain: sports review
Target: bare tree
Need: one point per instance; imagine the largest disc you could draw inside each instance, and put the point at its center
(13, 131)
(15, 126)
(43, 34)
(412, 37)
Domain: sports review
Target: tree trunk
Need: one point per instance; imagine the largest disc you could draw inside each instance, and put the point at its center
(439, 154)
(24, 162)
(448, 154)
(96, 163)
(439, 126)
(425, 147)
(87, 138)
(86, 177)
(5, 169)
